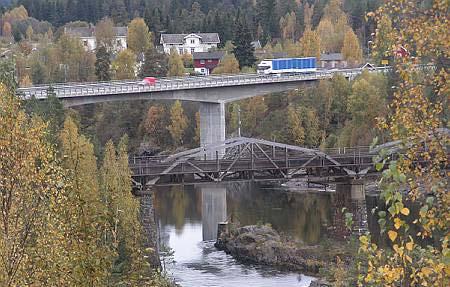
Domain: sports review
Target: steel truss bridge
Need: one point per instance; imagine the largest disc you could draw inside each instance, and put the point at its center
(256, 159)
(251, 159)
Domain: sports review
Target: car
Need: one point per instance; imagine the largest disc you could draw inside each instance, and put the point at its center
(148, 81)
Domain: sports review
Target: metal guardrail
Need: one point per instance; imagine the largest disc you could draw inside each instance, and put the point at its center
(71, 90)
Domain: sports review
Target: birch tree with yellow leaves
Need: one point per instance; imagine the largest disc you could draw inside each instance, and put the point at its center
(418, 252)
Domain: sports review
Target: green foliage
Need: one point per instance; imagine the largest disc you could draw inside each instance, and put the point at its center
(103, 64)
(243, 51)
(155, 64)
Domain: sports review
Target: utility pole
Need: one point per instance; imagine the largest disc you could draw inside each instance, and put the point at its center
(239, 121)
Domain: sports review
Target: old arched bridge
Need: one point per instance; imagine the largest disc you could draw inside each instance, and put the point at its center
(248, 158)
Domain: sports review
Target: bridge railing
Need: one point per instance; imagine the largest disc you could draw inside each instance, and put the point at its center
(169, 84)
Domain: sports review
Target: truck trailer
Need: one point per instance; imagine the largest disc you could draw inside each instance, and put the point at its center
(287, 65)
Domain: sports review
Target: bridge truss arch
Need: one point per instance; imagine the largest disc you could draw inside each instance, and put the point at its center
(250, 159)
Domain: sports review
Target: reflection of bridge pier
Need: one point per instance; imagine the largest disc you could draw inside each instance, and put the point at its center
(214, 209)
(351, 195)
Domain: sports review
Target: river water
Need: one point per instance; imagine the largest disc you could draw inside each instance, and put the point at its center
(188, 217)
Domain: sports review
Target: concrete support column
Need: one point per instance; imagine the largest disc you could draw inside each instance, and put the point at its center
(214, 209)
(352, 195)
(212, 124)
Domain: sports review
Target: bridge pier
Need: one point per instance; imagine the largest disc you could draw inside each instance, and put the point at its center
(354, 187)
(214, 209)
(351, 194)
(212, 125)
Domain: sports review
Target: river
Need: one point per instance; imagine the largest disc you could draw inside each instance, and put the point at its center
(188, 217)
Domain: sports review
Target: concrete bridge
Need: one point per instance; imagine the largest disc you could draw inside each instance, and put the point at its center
(212, 92)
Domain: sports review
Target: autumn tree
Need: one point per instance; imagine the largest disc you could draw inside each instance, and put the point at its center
(418, 251)
(309, 44)
(176, 67)
(124, 65)
(155, 124)
(197, 129)
(32, 237)
(90, 254)
(288, 26)
(253, 111)
(351, 50)
(105, 34)
(228, 65)
(178, 123)
(296, 132)
(365, 104)
(139, 37)
(384, 40)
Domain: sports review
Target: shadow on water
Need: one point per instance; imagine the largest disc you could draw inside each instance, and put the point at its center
(188, 217)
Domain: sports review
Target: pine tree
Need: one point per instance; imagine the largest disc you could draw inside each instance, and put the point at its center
(103, 64)
(155, 64)
(266, 16)
(243, 51)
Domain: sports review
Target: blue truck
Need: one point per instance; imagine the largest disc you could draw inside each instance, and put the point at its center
(287, 65)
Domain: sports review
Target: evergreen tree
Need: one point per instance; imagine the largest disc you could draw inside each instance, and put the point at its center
(155, 64)
(243, 51)
(103, 65)
(265, 10)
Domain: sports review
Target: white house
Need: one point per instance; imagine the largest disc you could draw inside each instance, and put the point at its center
(87, 37)
(189, 43)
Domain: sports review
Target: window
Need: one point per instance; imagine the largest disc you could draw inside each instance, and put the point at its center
(180, 51)
(209, 60)
(192, 50)
(85, 42)
(192, 41)
(202, 61)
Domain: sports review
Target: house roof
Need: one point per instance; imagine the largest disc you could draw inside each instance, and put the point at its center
(331, 57)
(85, 32)
(277, 55)
(178, 38)
(215, 55)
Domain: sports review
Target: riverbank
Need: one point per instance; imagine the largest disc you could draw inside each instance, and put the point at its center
(261, 244)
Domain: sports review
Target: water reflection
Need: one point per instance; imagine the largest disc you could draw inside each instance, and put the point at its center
(214, 209)
(188, 218)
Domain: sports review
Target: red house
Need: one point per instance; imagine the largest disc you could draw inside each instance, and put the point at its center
(205, 62)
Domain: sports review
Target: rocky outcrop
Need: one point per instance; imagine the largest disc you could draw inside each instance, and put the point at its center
(263, 245)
